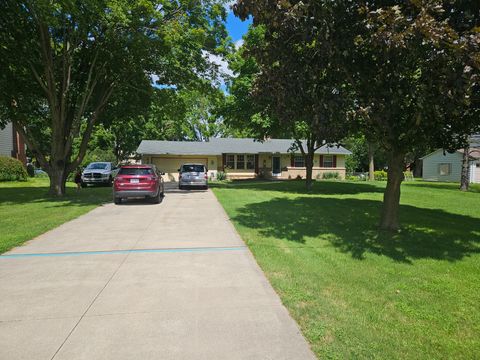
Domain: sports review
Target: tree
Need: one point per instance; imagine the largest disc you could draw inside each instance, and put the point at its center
(202, 119)
(363, 152)
(416, 70)
(301, 84)
(64, 62)
(471, 148)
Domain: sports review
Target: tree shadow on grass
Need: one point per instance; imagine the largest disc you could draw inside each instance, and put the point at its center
(32, 195)
(475, 188)
(350, 226)
(298, 186)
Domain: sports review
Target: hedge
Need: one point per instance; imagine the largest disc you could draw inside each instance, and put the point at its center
(12, 169)
(380, 175)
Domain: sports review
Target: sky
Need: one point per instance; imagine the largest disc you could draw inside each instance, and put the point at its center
(235, 27)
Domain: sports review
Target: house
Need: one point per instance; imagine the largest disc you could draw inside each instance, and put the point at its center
(241, 158)
(11, 143)
(440, 166)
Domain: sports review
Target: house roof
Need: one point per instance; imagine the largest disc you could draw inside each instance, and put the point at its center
(474, 153)
(218, 146)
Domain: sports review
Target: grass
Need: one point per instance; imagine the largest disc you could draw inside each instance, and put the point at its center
(358, 293)
(26, 210)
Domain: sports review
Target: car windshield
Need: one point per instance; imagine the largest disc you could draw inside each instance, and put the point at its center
(97, 166)
(193, 168)
(136, 171)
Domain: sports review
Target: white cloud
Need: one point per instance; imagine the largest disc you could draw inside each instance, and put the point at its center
(239, 43)
(220, 62)
(229, 4)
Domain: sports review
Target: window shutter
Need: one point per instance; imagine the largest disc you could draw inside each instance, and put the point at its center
(321, 160)
(224, 161)
(256, 164)
(334, 161)
(292, 160)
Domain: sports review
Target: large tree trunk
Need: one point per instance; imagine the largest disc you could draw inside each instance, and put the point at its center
(391, 196)
(58, 176)
(309, 168)
(417, 168)
(465, 177)
(371, 163)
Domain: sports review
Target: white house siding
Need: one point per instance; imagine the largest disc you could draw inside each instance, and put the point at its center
(432, 162)
(6, 140)
(476, 177)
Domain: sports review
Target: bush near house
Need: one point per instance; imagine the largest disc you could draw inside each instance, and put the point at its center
(221, 176)
(331, 175)
(12, 169)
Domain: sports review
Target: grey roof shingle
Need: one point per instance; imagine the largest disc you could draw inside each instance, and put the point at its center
(218, 146)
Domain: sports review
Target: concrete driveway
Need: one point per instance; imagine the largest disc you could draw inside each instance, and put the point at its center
(141, 281)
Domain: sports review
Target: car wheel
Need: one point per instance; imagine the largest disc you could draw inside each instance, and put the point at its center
(157, 199)
(180, 187)
(117, 200)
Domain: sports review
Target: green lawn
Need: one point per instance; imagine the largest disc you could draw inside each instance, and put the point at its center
(27, 211)
(358, 293)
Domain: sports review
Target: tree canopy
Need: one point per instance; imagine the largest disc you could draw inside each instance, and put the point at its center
(408, 69)
(67, 64)
(300, 86)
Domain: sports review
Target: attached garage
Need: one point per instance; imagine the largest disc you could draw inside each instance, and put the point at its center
(170, 164)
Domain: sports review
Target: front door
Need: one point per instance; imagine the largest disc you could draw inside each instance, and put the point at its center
(276, 171)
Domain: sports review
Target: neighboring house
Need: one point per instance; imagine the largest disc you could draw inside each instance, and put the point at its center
(241, 158)
(440, 166)
(11, 143)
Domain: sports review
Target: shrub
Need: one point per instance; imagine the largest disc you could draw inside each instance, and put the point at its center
(380, 175)
(221, 176)
(353, 178)
(12, 169)
(299, 177)
(331, 175)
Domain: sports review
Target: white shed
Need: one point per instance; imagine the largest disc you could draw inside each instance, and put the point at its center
(440, 166)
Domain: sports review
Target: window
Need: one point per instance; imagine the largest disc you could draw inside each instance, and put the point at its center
(97, 166)
(135, 171)
(231, 161)
(193, 168)
(250, 162)
(299, 161)
(328, 161)
(444, 169)
(240, 162)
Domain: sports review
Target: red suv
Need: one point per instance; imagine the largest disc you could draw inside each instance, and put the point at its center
(138, 181)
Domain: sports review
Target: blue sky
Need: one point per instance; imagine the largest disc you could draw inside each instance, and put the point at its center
(235, 27)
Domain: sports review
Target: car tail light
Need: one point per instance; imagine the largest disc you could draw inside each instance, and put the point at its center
(206, 176)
